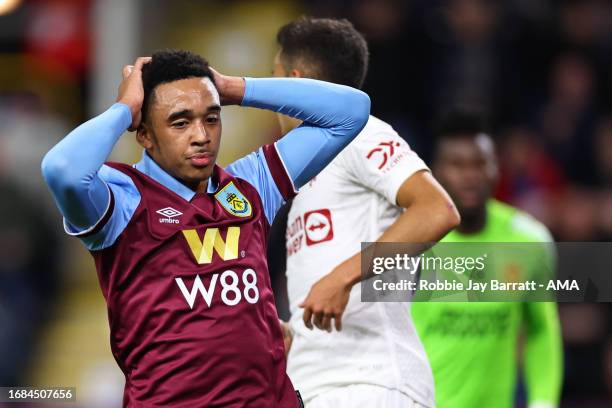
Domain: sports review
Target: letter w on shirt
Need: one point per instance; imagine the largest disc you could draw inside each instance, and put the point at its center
(202, 250)
(198, 286)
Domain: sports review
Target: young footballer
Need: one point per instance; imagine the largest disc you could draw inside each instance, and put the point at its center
(179, 243)
(377, 189)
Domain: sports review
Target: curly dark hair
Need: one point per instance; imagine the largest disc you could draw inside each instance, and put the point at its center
(328, 49)
(168, 66)
(462, 121)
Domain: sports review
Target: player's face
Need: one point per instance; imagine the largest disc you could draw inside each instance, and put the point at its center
(183, 130)
(286, 123)
(467, 168)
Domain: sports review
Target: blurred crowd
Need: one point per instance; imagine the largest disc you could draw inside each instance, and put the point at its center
(540, 68)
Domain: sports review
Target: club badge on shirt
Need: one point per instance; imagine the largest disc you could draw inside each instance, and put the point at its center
(234, 201)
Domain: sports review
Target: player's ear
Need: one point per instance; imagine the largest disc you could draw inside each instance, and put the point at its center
(144, 136)
(295, 73)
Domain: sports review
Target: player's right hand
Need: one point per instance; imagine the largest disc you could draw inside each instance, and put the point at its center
(327, 299)
(131, 90)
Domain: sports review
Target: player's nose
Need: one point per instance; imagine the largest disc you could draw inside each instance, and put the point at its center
(199, 135)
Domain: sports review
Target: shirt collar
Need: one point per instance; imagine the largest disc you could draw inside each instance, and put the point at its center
(148, 166)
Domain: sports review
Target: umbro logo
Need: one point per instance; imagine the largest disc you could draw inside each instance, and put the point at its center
(169, 214)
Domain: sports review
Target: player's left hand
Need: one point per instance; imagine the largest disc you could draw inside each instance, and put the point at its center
(230, 88)
(326, 300)
(131, 91)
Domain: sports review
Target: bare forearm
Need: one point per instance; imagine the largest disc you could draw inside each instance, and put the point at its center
(422, 226)
(429, 215)
(427, 219)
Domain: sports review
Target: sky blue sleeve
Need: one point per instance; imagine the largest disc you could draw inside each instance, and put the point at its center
(82, 188)
(121, 208)
(332, 115)
(254, 169)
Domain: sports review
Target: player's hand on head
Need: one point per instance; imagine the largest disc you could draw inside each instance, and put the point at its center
(326, 302)
(231, 89)
(131, 90)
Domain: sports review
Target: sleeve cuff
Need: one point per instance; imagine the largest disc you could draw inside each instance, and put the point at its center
(396, 183)
(248, 91)
(279, 171)
(98, 225)
(125, 112)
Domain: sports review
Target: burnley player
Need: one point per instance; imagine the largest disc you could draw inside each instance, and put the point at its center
(377, 189)
(179, 243)
(472, 346)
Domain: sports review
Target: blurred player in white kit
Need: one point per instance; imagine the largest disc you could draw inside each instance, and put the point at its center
(376, 189)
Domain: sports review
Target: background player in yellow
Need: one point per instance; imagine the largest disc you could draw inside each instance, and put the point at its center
(472, 347)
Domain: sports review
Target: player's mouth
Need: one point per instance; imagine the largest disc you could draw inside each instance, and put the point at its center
(200, 159)
(470, 197)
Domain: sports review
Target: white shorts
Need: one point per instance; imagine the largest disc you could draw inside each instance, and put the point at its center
(362, 396)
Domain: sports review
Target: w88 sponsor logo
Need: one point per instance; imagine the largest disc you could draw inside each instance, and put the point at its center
(233, 288)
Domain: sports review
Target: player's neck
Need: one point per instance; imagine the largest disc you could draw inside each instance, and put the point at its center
(202, 186)
(473, 223)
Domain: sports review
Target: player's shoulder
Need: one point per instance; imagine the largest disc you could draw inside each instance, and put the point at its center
(229, 176)
(375, 133)
(522, 225)
(375, 124)
(376, 129)
(117, 174)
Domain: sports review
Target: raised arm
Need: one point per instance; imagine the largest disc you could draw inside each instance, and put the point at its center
(71, 167)
(332, 116)
(429, 214)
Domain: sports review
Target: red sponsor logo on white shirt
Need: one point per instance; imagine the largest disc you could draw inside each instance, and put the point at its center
(383, 152)
(318, 226)
(315, 225)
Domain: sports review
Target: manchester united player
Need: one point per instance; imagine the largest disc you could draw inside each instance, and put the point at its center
(377, 189)
(178, 242)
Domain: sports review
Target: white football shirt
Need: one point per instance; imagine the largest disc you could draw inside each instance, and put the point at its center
(353, 200)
